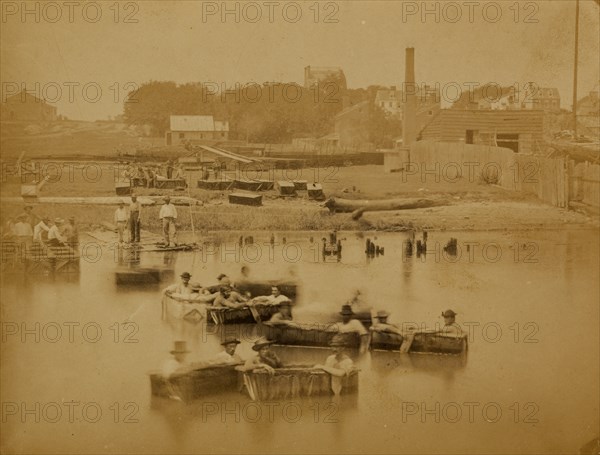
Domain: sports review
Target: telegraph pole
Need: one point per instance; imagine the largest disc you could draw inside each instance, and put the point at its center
(575, 69)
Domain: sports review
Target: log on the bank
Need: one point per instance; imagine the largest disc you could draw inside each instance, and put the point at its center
(358, 207)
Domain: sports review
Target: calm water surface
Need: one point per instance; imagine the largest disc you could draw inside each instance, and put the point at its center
(529, 383)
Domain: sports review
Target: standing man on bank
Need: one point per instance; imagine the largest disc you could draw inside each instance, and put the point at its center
(168, 215)
(121, 219)
(135, 213)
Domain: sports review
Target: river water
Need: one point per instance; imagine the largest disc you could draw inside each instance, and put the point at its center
(529, 383)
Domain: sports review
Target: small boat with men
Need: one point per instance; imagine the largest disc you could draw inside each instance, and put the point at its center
(308, 334)
(423, 342)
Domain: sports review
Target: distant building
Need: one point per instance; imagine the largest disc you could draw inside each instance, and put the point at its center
(520, 130)
(315, 74)
(544, 98)
(588, 114)
(588, 105)
(185, 128)
(508, 100)
(392, 100)
(24, 107)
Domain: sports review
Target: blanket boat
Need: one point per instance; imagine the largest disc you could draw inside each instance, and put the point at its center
(284, 383)
(197, 383)
(296, 381)
(421, 342)
(244, 315)
(318, 335)
(187, 309)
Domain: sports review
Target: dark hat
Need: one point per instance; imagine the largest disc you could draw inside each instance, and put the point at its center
(261, 342)
(346, 310)
(180, 348)
(185, 275)
(230, 341)
(337, 341)
(382, 314)
(449, 314)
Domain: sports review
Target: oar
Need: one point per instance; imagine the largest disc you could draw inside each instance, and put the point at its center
(407, 342)
(255, 313)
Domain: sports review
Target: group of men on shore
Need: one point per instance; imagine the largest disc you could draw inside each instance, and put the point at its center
(27, 227)
(129, 216)
(149, 175)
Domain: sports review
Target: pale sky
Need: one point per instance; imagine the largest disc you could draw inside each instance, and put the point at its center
(174, 41)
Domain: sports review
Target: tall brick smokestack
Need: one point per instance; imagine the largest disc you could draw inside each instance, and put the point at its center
(409, 121)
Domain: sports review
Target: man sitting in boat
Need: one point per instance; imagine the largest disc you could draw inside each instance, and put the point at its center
(451, 328)
(383, 326)
(275, 298)
(229, 298)
(265, 358)
(228, 355)
(351, 325)
(284, 315)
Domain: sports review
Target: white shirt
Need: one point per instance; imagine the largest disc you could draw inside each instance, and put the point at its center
(345, 364)
(353, 326)
(180, 288)
(22, 229)
(121, 215)
(277, 300)
(54, 233)
(168, 210)
(224, 357)
(37, 231)
(171, 366)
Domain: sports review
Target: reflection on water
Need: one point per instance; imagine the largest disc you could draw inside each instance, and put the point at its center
(529, 306)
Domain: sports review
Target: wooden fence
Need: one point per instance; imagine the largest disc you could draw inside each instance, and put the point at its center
(553, 180)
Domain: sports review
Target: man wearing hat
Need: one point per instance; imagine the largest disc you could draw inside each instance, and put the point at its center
(70, 232)
(177, 363)
(135, 213)
(382, 325)
(337, 364)
(228, 355)
(121, 219)
(451, 328)
(168, 215)
(182, 289)
(55, 238)
(30, 217)
(351, 325)
(265, 358)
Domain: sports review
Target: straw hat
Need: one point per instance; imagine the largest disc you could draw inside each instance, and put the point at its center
(260, 343)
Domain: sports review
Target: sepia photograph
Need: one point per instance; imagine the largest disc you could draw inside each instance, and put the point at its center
(300, 227)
